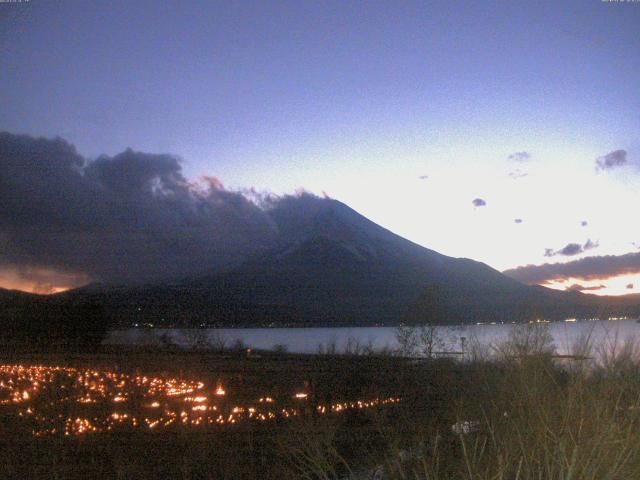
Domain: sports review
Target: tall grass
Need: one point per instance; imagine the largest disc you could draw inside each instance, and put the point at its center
(519, 413)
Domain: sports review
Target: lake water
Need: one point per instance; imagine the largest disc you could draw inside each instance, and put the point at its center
(309, 340)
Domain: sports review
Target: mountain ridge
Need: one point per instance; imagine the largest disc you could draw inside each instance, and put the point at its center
(331, 266)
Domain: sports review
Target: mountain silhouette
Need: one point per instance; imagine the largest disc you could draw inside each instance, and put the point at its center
(331, 266)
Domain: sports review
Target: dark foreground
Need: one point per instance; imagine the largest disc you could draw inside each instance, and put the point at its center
(520, 415)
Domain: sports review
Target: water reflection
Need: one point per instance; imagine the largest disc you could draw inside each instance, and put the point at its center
(312, 340)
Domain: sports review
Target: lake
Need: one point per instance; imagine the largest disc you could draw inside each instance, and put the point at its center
(309, 340)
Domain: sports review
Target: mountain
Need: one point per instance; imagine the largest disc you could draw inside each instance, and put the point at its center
(33, 321)
(331, 266)
(13, 295)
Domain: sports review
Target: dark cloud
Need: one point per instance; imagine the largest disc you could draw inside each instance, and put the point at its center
(576, 287)
(589, 245)
(611, 160)
(519, 157)
(130, 217)
(135, 174)
(478, 202)
(571, 249)
(518, 220)
(584, 223)
(629, 286)
(589, 268)
(568, 250)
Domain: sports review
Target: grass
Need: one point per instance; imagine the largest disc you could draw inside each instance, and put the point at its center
(519, 413)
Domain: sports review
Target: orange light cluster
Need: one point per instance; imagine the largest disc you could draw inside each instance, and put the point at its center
(69, 401)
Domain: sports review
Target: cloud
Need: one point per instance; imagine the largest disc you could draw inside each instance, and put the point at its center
(571, 249)
(617, 158)
(518, 220)
(629, 286)
(584, 223)
(588, 268)
(519, 157)
(130, 217)
(423, 177)
(40, 280)
(478, 202)
(568, 250)
(589, 245)
(576, 287)
(517, 173)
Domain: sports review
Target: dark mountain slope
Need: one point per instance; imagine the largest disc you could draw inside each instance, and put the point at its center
(335, 267)
(14, 295)
(329, 265)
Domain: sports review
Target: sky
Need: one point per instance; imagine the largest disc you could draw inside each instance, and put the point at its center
(505, 132)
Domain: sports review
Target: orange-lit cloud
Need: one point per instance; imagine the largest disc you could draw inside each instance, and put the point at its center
(619, 285)
(593, 268)
(39, 279)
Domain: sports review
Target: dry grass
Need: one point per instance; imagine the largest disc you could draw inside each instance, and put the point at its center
(520, 413)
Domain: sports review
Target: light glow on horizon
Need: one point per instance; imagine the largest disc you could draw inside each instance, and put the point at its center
(617, 285)
(40, 280)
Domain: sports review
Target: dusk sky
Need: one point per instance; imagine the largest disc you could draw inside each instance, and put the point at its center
(506, 132)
